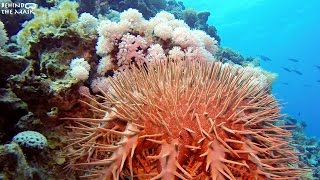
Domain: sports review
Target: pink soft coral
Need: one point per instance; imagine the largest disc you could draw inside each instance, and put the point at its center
(131, 50)
(130, 41)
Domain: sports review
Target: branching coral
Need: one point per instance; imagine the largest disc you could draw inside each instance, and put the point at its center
(183, 120)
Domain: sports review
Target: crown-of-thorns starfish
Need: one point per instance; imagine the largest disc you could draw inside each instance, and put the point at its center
(183, 120)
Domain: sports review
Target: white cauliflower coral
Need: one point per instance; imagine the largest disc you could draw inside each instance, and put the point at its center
(134, 19)
(163, 31)
(87, 24)
(156, 53)
(79, 69)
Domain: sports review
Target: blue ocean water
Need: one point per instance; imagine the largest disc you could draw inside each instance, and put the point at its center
(279, 30)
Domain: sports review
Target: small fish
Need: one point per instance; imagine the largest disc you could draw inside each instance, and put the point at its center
(299, 114)
(285, 83)
(286, 69)
(297, 72)
(318, 81)
(292, 120)
(265, 58)
(307, 85)
(317, 66)
(293, 60)
(303, 124)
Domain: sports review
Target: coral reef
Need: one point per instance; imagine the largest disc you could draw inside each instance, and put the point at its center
(38, 85)
(230, 56)
(135, 41)
(139, 66)
(227, 55)
(183, 119)
(308, 146)
(47, 23)
(50, 44)
(13, 21)
(199, 21)
(176, 8)
(190, 16)
(149, 8)
(24, 163)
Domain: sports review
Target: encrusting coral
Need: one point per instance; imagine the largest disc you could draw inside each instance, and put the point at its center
(183, 119)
